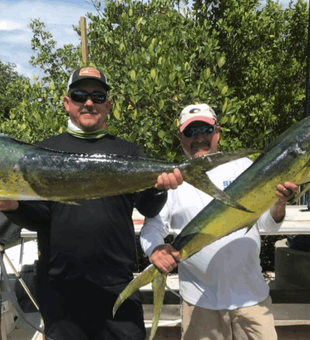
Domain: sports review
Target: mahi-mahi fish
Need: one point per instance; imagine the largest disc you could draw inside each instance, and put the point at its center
(286, 159)
(29, 172)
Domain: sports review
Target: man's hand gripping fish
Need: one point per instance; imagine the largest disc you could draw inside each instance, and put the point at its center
(286, 159)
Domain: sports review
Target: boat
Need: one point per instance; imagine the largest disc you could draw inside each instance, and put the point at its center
(21, 251)
(19, 255)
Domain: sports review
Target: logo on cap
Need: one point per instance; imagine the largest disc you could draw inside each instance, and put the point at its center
(194, 110)
(90, 72)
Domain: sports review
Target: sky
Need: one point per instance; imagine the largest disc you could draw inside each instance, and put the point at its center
(15, 37)
(58, 15)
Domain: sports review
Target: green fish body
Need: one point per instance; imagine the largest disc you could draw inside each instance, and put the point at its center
(29, 172)
(287, 159)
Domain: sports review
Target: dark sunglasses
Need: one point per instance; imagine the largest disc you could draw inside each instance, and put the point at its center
(205, 130)
(80, 96)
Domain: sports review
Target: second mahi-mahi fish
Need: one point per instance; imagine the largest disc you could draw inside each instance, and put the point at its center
(286, 159)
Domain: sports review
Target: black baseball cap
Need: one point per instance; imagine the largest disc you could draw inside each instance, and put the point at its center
(88, 73)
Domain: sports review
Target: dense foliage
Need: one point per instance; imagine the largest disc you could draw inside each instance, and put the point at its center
(11, 84)
(246, 60)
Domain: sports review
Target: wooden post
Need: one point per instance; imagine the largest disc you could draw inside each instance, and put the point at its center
(84, 40)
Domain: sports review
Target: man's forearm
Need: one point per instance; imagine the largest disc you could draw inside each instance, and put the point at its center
(31, 215)
(277, 211)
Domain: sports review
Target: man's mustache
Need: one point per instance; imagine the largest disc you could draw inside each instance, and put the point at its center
(200, 144)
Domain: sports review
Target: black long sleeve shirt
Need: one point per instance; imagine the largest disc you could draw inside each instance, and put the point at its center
(95, 239)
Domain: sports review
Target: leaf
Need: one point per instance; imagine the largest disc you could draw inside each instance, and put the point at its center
(224, 106)
(133, 75)
(161, 134)
(153, 73)
(186, 67)
(172, 76)
(116, 114)
(161, 104)
(224, 89)
(221, 61)
(207, 73)
(223, 120)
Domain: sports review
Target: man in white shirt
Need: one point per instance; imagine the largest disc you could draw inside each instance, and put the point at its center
(224, 294)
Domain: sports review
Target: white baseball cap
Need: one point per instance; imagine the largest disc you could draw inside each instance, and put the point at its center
(197, 112)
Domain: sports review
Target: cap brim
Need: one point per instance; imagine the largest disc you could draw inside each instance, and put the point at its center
(197, 118)
(106, 86)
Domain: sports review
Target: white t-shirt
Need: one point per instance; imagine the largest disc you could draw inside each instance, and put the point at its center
(227, 273)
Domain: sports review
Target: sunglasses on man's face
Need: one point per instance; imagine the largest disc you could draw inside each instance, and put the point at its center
(205, 130)
(81, 96)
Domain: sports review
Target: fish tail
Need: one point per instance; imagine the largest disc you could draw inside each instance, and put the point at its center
(210, 161)
(141, 280)
(150, 274)
(158, 285)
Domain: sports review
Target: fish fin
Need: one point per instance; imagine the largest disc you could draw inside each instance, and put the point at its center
(206, 185)
(158, 285)
(211, 160)
(147, 276)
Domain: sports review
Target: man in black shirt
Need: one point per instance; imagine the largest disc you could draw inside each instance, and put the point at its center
(87, 251)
